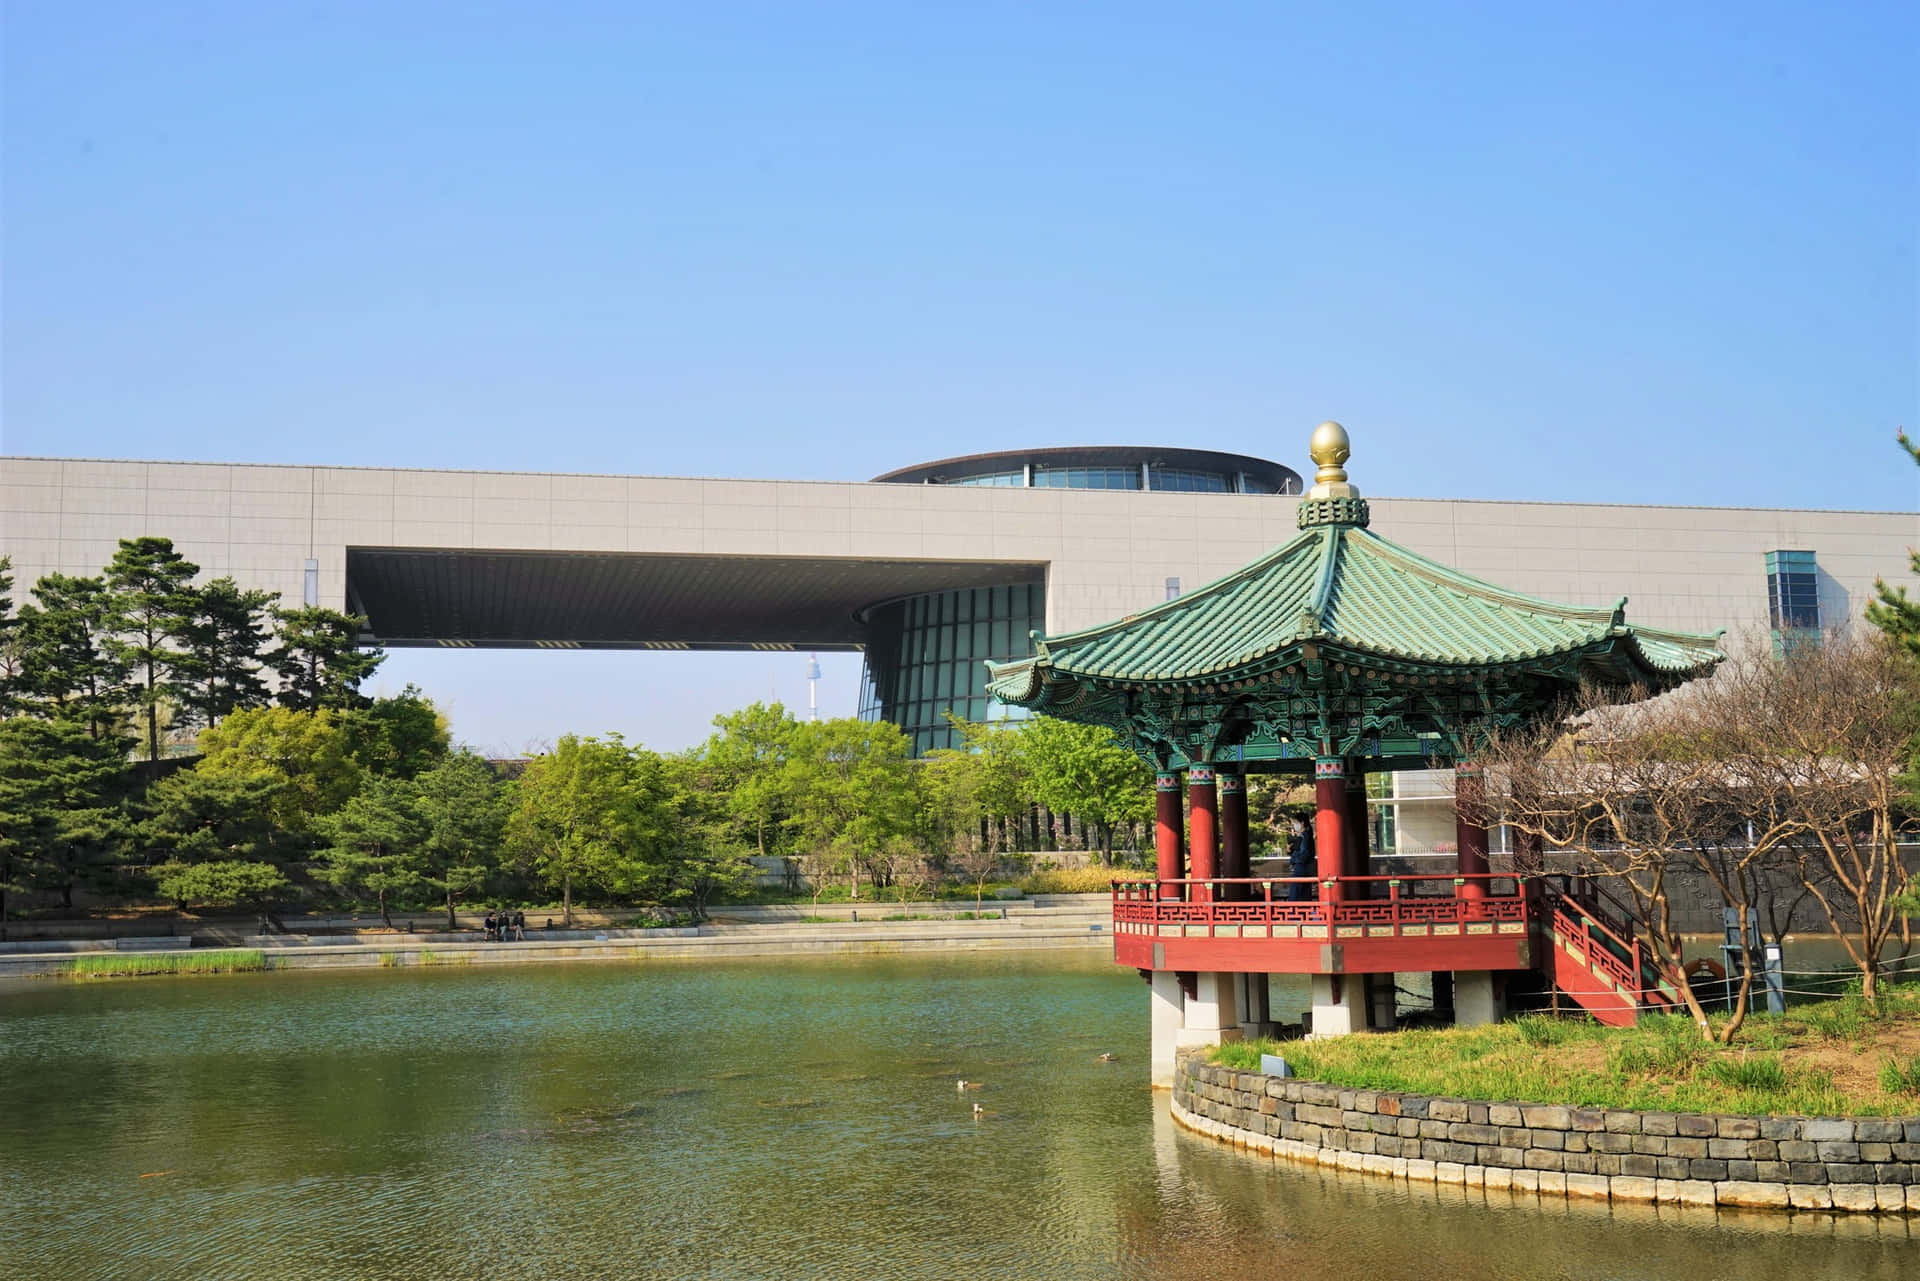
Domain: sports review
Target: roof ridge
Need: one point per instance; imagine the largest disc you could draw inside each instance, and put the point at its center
(1461, 580)
(1187, 600)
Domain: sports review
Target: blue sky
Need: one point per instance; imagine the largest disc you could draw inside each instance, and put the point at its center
(1635, 252)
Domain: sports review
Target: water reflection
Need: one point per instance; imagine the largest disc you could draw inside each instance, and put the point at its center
(796, 1119)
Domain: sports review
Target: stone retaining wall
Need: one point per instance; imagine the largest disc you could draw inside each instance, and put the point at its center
(1808, 1163)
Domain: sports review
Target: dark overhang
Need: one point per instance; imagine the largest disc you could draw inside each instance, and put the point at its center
(948, 470)
(615, 600)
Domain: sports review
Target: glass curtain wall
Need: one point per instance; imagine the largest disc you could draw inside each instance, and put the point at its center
(926, 656)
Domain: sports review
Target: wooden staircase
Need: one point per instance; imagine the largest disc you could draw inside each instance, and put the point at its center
(1594, 956)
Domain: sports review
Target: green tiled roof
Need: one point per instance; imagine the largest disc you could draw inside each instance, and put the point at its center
(1353, 596)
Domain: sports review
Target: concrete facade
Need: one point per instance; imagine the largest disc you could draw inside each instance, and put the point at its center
(1104, 552)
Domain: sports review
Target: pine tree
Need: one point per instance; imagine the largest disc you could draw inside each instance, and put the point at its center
(62, 805)
(223, 647)
(150, 602)
(371, 840)
(319, 660)
(64, 665)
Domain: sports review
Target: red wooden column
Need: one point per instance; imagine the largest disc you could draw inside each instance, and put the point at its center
(1358, 850)
(1233, 832)
(1203, 802)
(1470, 835)
(1168, 830)
(1329, 818)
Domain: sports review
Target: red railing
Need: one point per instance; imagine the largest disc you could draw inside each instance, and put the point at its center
(1372, 906)
(1621, 960)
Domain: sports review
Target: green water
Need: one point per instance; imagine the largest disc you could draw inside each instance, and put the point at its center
(790, 1119)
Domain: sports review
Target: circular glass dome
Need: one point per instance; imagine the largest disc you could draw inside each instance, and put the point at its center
(1136, 467)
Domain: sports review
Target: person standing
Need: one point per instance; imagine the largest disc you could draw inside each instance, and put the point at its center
(1300, 859)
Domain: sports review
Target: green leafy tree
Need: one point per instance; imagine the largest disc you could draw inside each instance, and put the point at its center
(587, 814)
(319, 659)
(1084, 770)
(705, 858)
(373, 841)
(399, 736)
(464, 805)
(62, 797)
(307, 753)
(223, 645)
(853, 787)
(150, 603)
(64, 666)
(745, 763)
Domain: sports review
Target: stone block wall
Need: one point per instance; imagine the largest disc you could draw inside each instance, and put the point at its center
(1864, 1164)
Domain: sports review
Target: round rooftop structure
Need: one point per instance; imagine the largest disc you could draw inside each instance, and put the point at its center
(1107, 467)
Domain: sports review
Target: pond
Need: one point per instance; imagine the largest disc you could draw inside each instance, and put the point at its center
(750, 1119)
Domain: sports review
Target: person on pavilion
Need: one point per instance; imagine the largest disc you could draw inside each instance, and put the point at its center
(1300, 858)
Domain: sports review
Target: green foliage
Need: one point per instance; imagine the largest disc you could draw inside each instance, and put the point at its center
(62, 814)
(228, 883)
(1893, 611)
(464, 806)
(373, 839)
(197, 816)
(587, 813)
(318, 658)
(1070, 880)
(1760, 1072)
(305, 753)
(1838, 1020)
(399, 736)
(1085, 770)
(149, 605)
(62, 663)
(1660, 1065)
(704, 857)
(1542, 1030)
(1900, 1078)
(119, 965)
(746, 764)
(853, 788)
(223, 639)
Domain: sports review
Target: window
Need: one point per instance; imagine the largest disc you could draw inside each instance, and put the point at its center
(1793, 591)
(924, 658)
(1196, 482)
(998, 478)
(1086, 478)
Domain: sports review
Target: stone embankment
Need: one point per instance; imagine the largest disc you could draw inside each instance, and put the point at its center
(1034, 931)
(1762, 1162)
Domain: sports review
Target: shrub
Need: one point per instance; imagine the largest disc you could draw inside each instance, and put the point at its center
(1070, 880)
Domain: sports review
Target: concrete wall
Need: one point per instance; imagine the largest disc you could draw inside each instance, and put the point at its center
(1860, 1164)
(1110, 552)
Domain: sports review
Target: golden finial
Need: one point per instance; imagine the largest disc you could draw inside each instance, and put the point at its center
(1330, 447)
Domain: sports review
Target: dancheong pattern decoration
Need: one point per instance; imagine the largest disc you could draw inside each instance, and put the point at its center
(1340, 643)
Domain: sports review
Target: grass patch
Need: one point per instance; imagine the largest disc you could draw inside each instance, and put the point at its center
(1817, 1060)
(1899, 1078)
(121, 965)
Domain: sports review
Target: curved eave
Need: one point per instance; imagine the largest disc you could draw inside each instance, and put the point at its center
(1620, 656)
